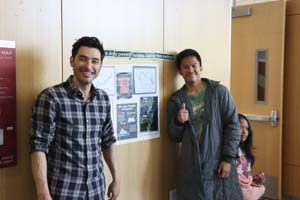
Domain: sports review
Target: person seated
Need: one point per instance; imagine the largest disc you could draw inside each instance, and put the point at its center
(252, 186)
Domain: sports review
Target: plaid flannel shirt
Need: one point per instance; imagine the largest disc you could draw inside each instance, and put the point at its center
(73, 134)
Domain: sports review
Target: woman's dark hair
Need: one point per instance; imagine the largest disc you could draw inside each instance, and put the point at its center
(247, 145)
(91, 42)
(186, 53)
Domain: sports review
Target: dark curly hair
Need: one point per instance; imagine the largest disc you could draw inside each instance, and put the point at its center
(87, 41)
(247, 145)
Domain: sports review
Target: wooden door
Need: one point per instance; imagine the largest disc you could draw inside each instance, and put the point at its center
(257, 82)
(291, 136)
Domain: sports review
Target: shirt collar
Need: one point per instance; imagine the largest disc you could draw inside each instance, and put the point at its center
(73, 89)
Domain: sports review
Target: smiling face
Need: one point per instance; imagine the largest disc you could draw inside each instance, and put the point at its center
(244, 129)
(86, 66)
(190, 70)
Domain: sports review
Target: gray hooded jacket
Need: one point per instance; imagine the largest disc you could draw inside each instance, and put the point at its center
(197, 177)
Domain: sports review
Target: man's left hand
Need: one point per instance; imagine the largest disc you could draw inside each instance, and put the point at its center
(113, 190)
(224, 169)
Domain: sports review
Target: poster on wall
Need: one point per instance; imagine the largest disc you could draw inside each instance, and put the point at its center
(8, 147)
(126, 121)
(133, 91)
(144, 80)
(124, 85)
(107, 80)
(148, 114)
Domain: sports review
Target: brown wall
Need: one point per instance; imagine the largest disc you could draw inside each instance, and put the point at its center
(36, 30)
(291, 126)
(44, 32)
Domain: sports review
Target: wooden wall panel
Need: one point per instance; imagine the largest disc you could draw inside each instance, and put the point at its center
(291, 181)
(292, 7)
(134, 26)
(35, 26)
(291, 126)
(291, 134)
(191, 24)
(204, 26)
(44, 32)
(247, 2)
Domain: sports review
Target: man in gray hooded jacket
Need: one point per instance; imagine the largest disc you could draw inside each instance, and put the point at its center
(203, 117)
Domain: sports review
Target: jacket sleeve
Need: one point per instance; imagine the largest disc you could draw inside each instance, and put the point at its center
(175, 129)
(231, 126)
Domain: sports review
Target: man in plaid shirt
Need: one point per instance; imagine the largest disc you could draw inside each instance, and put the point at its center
(71, 128)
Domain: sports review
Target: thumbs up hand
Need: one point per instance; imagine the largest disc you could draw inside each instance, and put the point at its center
(183, 114)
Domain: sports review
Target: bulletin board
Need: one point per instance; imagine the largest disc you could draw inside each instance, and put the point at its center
(134, 97)
(8, 145)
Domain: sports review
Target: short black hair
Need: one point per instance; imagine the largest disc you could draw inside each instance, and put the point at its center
(87, 41)
(186, 53)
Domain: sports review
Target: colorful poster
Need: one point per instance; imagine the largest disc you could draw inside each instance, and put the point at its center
(148, 114)
(126, 121)
(8, 147)
(133, 90)
(124, 85)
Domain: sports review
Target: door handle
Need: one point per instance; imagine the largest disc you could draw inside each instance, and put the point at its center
(272, 118)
